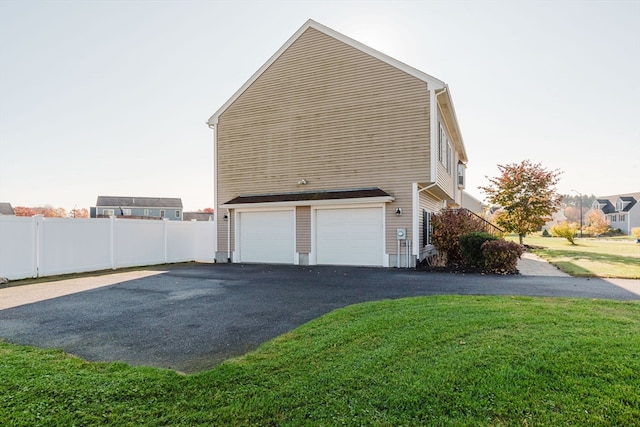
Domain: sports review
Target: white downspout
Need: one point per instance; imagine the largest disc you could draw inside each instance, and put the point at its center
(213, 126)
(228, 236)
(415, 203)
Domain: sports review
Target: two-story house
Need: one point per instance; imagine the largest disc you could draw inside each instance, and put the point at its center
(334, 153)
(621, 210)
(138, 207)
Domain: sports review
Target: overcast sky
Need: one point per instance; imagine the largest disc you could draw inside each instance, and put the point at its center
(111, 97)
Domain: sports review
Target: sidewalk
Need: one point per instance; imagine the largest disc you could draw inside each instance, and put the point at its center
(532, 265)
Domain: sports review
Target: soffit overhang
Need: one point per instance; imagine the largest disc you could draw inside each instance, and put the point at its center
(306, 198)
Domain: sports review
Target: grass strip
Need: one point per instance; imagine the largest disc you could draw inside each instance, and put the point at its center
(589, 257)
(441, 361)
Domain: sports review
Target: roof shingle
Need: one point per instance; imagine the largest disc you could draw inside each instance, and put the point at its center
(139, 202)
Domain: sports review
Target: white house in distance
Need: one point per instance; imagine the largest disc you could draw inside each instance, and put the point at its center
(621, 210)
(138, 207)
(334, 153)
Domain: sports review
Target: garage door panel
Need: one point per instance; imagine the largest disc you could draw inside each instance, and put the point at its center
(350, 236)
(267, 236)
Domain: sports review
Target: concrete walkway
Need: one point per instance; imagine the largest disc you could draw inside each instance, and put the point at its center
(532, 265)
(20, 295)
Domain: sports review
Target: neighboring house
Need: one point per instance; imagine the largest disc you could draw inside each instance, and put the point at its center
(138, 207)
(198, 216)
(556, 218)
(6, 209)
(621, 210)
(334, 153)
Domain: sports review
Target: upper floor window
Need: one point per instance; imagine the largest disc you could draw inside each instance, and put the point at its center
(461, 173)
(620, 204)
(445, 150)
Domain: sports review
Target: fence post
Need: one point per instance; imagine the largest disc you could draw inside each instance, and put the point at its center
(112, 224)
(193, 231)
(38, 235)
(165, 222)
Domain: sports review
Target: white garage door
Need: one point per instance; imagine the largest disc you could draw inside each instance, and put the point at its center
(267, 237)
(352, 236)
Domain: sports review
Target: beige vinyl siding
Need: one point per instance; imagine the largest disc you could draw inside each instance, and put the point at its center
(222, 231)
(430, 203)
(303, 229)
(332, 115)
(445, 179)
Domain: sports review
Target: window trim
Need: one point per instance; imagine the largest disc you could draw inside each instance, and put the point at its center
(441, 138)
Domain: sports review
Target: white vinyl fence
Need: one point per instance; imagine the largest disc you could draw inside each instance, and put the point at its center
(38, 246)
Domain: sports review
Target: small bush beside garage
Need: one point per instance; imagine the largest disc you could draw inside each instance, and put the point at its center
(464, 244)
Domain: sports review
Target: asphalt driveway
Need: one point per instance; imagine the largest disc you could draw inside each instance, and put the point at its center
(191, 318)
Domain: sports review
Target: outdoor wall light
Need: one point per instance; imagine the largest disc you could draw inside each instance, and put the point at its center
(226, 217)
(399, 212)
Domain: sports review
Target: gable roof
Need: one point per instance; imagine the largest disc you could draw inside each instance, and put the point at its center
(432, 82)
(139, 202)
(6, 209)
(630, 202)
(609, 202)
(606, 206)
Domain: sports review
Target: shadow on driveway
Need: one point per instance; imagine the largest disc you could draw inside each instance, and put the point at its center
(192, 318)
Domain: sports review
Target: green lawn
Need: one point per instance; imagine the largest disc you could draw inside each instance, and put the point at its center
(441, 361)
(589, 257)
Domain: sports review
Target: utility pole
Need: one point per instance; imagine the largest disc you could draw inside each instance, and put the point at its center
(580, 194)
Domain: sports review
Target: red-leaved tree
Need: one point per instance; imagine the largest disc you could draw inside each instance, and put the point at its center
(46, 211)
(527, 194)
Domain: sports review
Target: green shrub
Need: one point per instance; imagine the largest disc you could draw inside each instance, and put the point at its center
(566, 229)
(470, 245)
(501, 257)
(545, 233)
(448, 226)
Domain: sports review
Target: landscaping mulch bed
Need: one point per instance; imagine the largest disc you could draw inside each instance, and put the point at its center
(456, 268)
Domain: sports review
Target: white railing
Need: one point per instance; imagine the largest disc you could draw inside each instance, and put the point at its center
(38, 246)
